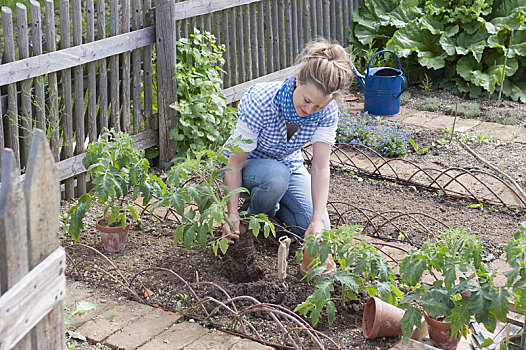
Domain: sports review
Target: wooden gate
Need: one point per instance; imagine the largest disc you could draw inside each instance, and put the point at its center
(32, 281)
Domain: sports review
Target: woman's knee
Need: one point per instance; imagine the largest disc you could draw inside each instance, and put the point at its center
(267, 175)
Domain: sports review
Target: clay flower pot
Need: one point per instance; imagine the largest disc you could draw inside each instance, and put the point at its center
(113, 238)
(438, 333)
(381, 319)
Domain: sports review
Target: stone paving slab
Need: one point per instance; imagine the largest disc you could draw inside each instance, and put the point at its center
(214, 340)
(176, 337)
(140, 331)
(112, 320)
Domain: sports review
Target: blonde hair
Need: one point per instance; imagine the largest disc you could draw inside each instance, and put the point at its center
(326, 65)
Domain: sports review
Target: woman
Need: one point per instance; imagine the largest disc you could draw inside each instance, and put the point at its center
(280, 118)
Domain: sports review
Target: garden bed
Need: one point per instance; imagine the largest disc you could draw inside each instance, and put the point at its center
(151, 245)
(356, 199)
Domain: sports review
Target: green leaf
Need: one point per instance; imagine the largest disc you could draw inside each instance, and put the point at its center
(190, 234)
(436, 302)
(460, 316)
(411, 269)
(412, 318)
(331, 312)
(413, 38)
(499, 304)
(223, 245)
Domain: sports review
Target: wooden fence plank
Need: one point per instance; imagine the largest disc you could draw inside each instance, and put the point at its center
(26, 111)
(13, 241)
(194, 8)
(225, 40)
(300, 30)
(261, 39)
(147, 71)
(289, 35)
(92, 73)
(254, 40)
(39, 107)
(295, 30)
(269, 24)
(332, 19)
(80, 134)
(248, 42)
(13, 232)
(167, 85)
(136, 64)
(208, 22)
(319, 18)
(39, 292)
(42, 200)
(12, 109)
(326, 19)
(282, 35)
(115, 117)
(306, 21)
(345, 21)
(103, 68)
(276, 34)
(339, 23)
(67, 113)
(125, 76)
(234, 49)
(241, 49)
(53, 120)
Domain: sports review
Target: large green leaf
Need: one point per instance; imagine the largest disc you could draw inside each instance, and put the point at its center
(474, 43)
(413, 38)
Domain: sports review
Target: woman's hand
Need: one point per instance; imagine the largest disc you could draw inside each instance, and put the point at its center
(231, 237)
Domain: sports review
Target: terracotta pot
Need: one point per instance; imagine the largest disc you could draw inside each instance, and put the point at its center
(113, 238)
(381, 319)
(438, 333)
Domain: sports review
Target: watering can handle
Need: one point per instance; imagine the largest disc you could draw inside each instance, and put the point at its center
(383, 51)
(405, 85)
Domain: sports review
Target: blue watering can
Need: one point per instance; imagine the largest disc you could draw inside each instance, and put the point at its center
(382, 87)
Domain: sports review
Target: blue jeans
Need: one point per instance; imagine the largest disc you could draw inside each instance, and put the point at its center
(276, 192)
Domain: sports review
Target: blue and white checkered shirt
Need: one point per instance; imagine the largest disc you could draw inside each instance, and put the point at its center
(260, 120)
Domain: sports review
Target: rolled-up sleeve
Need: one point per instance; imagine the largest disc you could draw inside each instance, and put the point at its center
(243, 132)
(326, 131)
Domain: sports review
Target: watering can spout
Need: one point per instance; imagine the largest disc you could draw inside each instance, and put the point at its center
(359, 77)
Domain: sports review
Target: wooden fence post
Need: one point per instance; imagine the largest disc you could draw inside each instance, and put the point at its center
(166, 38)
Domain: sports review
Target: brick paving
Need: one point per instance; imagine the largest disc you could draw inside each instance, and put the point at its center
(123, 324)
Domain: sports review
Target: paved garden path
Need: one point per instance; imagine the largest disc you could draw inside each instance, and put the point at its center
(123, 324)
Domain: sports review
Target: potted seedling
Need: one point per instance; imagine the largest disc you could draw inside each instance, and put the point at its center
(119, 173)
(516, 277)
(359, 268)
(460, 288)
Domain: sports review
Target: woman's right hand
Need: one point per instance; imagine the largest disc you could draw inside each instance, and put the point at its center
(231, 237)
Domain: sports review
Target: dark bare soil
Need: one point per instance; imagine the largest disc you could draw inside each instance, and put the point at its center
(151, 243)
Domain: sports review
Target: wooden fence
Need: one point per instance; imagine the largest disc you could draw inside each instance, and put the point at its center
(113, 63)
(32, 281)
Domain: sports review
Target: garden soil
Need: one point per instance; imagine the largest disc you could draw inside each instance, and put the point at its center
(151, 241)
